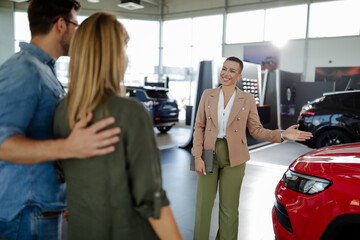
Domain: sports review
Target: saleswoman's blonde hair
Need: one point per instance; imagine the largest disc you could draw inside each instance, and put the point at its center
(98, 62)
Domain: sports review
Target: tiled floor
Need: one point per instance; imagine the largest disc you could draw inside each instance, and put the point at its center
(265, 169)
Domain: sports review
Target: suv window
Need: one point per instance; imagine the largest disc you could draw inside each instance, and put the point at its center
(346, 101)
(139, 94)
(157, 94)
(130, 93)
(356, 100)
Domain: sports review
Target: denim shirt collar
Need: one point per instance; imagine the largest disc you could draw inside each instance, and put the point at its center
(39, 53)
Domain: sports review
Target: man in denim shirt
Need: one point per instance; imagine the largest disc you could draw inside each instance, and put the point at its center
(31, 201)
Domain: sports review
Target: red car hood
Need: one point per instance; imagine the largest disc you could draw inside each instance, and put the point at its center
(335, 159)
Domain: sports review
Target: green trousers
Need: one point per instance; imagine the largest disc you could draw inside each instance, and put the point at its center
(229, 180)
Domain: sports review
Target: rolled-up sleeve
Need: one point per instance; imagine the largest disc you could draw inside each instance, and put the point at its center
(19, 91)
(144, 165)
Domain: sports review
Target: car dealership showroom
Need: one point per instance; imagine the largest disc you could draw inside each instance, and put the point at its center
(301, 66)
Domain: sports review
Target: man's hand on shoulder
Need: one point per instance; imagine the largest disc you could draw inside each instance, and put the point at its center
(84, 142)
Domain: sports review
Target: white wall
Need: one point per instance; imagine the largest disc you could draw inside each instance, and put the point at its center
(233, 50)
(341, 51)
(6, 34)
(291, 57)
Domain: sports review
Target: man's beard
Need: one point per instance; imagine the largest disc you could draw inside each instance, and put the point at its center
(65, 43)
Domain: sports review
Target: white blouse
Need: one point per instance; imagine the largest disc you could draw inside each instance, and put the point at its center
(223, 113)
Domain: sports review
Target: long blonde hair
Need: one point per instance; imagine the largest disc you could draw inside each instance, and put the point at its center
(98, 62)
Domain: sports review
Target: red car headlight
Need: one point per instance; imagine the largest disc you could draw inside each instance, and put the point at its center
(305, 184)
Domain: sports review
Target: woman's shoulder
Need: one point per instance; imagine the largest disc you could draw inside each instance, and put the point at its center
(121, 104)
(129, 112)
(123, 101)
(63, 102)
(61, 106)
(210, 91)
(245, 94)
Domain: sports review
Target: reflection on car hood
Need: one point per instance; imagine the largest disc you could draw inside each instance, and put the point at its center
(335, 159)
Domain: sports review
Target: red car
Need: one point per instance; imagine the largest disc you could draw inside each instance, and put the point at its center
(319, 196)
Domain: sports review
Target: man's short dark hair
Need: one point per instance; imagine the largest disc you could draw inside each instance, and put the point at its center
(235, 59)
(43, 14)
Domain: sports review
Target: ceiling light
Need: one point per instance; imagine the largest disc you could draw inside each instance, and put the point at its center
(130, 4)
(94, 1)
(19, 1)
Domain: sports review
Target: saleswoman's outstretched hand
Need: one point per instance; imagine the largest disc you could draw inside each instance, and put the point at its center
(291, 133)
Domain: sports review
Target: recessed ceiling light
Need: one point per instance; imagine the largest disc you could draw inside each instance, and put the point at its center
(19, 1)
(130, 5)
(94, 1)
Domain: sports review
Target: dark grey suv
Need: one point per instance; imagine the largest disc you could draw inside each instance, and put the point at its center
(333, 119)
(163, 109)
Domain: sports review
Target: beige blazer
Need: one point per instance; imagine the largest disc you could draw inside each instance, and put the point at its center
(243, 114)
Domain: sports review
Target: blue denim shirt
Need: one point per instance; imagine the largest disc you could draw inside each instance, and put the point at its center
(29, 93)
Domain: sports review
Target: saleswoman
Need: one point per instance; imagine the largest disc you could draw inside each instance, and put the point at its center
(221, 121)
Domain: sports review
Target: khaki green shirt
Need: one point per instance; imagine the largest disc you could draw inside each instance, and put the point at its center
(111, 196)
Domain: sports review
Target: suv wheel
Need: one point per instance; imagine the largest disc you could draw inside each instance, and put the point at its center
(164, 129)
(332, 137)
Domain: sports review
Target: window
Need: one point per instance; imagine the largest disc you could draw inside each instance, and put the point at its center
(348, 101)
(142, 50)
(157, 94)
(207, 38)
(335, 18)
(245, 27)
(177, 42)
(141, 95)
(22, 30)
(186, 43)
(285, 23)
(130, 92)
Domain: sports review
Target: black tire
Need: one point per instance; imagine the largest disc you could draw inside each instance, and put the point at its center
(164, 129)
(332, 137)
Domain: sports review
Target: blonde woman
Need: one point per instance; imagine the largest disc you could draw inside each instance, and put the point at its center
(120, 195)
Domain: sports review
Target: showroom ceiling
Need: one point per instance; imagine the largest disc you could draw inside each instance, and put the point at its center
(170, 9)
